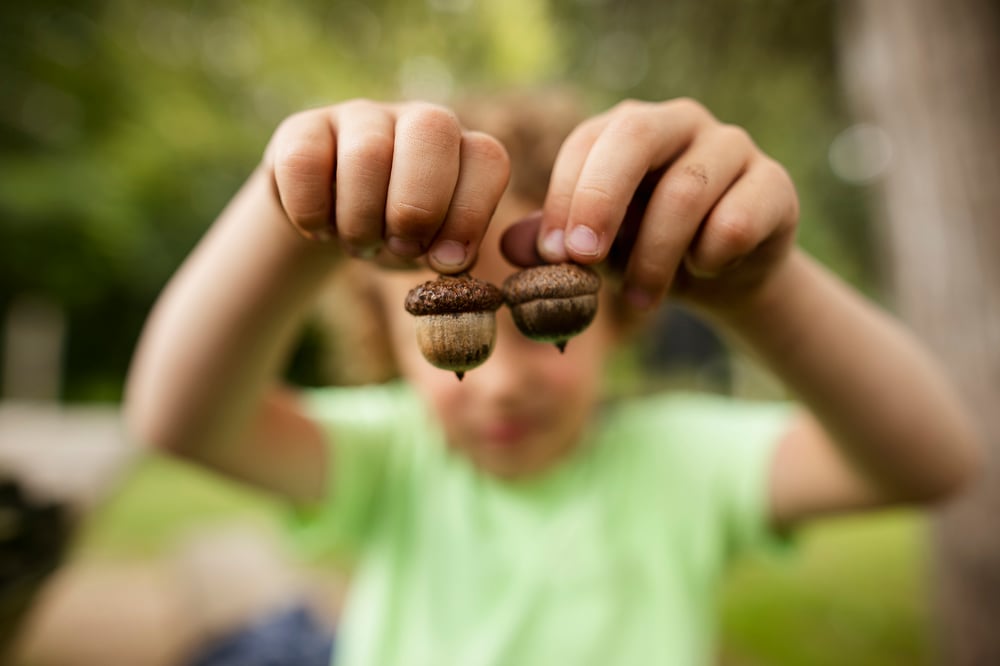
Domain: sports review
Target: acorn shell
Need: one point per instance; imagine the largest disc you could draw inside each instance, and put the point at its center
(451, 294)
(457, 341)
(553, 303)
(455, 321)
(550, 281)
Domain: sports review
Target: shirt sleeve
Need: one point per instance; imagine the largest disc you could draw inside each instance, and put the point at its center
(724, 448)
(746, 443)
(361, 428)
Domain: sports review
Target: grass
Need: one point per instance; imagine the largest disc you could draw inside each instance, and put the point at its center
(849, 592)
(852, 592)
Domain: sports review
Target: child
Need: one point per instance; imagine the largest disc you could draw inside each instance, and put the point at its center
(508, 518)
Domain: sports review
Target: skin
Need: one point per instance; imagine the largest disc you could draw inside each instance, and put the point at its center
(526, 407)
(713, 221)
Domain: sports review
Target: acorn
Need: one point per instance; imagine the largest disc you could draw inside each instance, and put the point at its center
(456, 321)
(552, 303)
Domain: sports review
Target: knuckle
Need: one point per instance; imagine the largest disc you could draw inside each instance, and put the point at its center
(649, 272)
(307, 214)
(289, 123)
(486, 148)
(734, 135)
(634, 125)
(371, 152)
(360, 106)
(691, 106)
(594, 205)
(733, 233)
(683, 192)
(595, 197)
(433, 123)
(298, 159)
(783, 186)
(557, 204)
(629, 105)
(792, 196)
(465, 217)
(412, 220)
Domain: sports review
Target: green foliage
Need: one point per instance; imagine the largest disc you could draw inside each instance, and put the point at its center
(126, 126)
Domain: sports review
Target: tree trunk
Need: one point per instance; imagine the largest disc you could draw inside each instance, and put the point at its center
(925, 72)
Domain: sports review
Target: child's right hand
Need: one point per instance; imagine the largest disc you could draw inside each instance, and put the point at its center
(389, 182)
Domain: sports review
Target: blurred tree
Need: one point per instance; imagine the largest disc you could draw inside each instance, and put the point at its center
(925, 73)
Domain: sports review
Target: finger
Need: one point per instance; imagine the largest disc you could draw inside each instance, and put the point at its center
(365, 134)
(483, 174)
(551, 241)
(760, 206)
(302, 158)
(518, 243)
(685, 195)
(638, 139)
(422, 180)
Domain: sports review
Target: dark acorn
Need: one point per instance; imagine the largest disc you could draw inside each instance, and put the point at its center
(553, 303)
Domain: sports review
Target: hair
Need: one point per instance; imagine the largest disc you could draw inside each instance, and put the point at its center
(532, 125)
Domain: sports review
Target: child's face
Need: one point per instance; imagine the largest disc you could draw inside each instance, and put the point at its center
(527, 406)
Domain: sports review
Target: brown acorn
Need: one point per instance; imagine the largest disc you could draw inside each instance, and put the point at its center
(456, 321)
(552, 303)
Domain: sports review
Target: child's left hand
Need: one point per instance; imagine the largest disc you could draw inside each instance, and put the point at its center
(676, 199)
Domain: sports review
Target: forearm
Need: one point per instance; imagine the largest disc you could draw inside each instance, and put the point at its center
(881, 398)
(222, 328)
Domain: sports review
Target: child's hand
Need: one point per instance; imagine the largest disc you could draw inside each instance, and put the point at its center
(697, 208)
(389, 181)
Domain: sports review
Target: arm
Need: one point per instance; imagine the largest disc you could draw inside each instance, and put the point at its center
(203, 384)
(884, 424)
(713, 221)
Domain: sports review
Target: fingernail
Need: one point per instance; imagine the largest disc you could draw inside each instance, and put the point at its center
(554, 245)
(638, 298)
(402, 247)
(448, 253)
(583, 240)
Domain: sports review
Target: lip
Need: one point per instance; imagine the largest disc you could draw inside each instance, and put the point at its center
(507, 432)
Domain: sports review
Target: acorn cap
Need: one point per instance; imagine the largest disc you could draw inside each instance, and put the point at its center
(550, 281)
(453, 294)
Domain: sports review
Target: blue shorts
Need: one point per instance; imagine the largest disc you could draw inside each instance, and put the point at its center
(292, 637)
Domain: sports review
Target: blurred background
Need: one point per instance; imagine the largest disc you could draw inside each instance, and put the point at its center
(127, 126)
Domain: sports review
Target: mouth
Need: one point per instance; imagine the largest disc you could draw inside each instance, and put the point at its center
(508, 432)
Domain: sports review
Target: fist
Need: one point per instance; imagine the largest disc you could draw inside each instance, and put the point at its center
(676, 200)
(388, 182)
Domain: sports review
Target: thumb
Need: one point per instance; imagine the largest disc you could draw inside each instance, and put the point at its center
(519, 241)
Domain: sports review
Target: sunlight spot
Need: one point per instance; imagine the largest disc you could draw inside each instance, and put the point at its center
(861, 154)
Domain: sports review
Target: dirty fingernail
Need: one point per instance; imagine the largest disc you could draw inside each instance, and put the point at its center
(448, 253)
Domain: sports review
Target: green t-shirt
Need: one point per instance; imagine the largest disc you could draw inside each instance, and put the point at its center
(610, 558)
